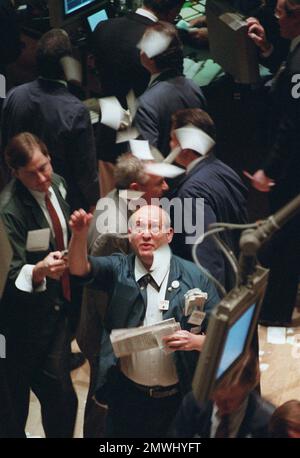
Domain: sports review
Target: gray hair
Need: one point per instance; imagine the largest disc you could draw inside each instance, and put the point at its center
(129, 169)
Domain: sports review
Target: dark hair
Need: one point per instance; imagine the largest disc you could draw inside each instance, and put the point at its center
(19, 150)
(246, 374)
(197, 117)
(52, 46)
(161, 6)
(172, 57)
(285, 417)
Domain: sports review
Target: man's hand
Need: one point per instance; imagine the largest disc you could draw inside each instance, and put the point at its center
(79, 222)
(257, 33)
(184, 340)
(52, 266)
(260, 181)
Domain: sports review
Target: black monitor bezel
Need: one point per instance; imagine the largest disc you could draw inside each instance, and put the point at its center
(80, 11)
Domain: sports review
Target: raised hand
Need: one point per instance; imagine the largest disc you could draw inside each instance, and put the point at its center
(79, 222)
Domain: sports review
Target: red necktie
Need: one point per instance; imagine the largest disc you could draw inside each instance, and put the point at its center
(59, 239)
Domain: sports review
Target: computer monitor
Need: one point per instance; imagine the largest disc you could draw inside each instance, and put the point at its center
(95, 18)
(229, 43)
(64, 13)
(229, 335)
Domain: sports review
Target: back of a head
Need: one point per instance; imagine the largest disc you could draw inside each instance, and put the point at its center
(195, 117)
(285, 420)
(52, 46)
(129, 169)
(162, 7)
(172, 57)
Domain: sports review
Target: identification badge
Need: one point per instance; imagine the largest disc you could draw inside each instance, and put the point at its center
(196, 317)
(164, 305)
(38, 240)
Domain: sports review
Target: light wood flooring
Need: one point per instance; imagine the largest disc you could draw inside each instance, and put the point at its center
(280, 377)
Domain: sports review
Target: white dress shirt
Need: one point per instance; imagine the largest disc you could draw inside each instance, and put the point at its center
(24, 279)
(147, 13)
(152, 367)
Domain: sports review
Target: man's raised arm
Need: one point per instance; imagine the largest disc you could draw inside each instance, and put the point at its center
(77, 257)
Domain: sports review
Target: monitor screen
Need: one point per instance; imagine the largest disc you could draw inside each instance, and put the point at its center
(235, 341)
(95, 18)
(229, 335)
(70, 6)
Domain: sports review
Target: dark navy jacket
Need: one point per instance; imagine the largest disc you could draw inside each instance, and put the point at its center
(48, 110)
(168, 93)
(224, 200)
(193, 420)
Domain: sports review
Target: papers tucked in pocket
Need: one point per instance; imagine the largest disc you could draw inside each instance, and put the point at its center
(38, 240)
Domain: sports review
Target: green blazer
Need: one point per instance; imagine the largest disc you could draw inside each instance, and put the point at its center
(28, 316)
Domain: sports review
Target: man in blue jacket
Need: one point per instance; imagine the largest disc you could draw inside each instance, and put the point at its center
(207, 177)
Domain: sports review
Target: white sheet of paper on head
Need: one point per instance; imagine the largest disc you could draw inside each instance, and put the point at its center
(111, 112)
(141, 149)
(195, 139)
(162, 169)
(154, 43)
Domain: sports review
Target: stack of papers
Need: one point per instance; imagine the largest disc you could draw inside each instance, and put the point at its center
(128, 341)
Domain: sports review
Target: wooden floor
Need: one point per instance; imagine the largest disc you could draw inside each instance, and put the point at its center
(280, 375)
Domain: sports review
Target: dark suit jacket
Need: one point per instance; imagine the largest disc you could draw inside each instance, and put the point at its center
(166, 94)
(118, 58)
(283, 159)
(28, 317)
(126, 308)
(193, 420)
(224, 200)
(48, 110)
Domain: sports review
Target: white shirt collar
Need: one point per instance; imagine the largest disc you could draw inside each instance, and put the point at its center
(194, 163)
(159, 268)
(147, 13)
(294, 43)
(40, 196)
(154, 76)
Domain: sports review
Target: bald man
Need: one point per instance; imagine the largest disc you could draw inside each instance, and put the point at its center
(143, 390)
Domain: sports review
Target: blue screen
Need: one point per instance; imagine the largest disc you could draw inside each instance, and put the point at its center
(74, 5)
(95, 18)
(235, 341)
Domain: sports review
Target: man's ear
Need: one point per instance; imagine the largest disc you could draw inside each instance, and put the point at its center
(134, 186)
(14, 172)
(170, 234)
